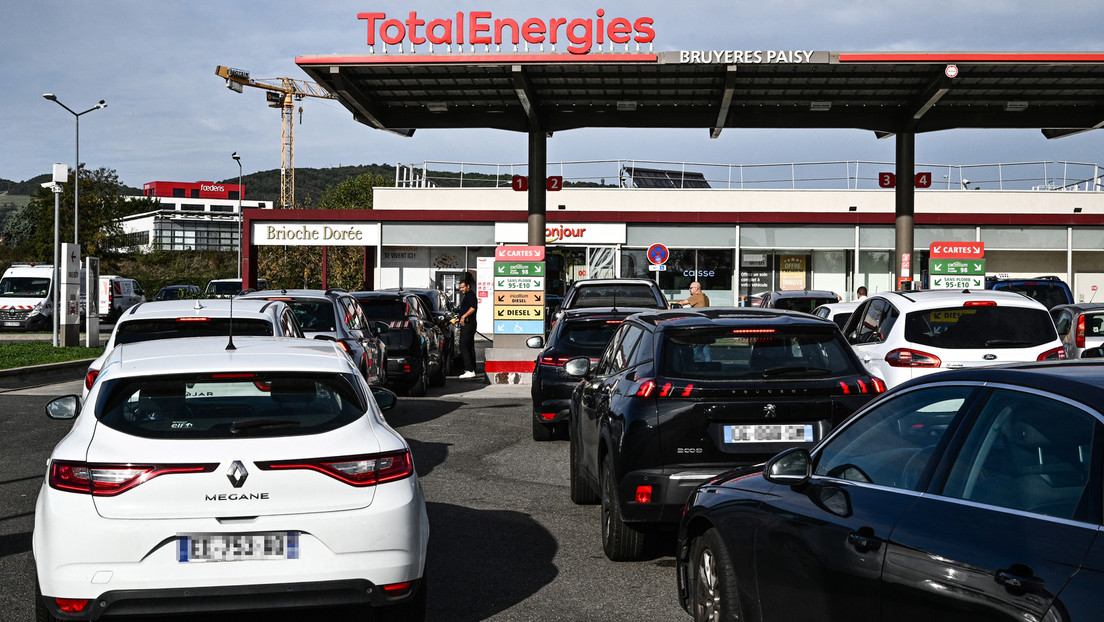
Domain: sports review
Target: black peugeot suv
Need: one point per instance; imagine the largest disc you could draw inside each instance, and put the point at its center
(681, 396)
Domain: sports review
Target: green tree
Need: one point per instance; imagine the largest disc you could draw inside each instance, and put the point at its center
(101, 205)
(301, 266)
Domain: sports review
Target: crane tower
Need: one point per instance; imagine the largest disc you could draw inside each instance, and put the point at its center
(281, 93)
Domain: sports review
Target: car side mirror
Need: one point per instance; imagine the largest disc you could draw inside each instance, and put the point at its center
(65, 407)
(792, 467)
(536, 341)
(578, 366)
(385, 398)
(381, 327)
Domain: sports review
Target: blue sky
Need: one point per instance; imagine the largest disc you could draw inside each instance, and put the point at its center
(170, 118)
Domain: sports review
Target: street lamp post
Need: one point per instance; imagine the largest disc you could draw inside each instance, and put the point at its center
(237, 158)
(76, 164)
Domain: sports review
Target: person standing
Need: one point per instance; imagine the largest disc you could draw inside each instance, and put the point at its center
(468, 307)
(697, 299)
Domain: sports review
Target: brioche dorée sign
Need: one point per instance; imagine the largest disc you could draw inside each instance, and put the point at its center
(482, 28)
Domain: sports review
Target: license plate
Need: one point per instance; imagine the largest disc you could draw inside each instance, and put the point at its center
(11, 323)
(769, 433)
(235, 547)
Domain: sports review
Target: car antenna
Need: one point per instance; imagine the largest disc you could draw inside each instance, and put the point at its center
(230, 346)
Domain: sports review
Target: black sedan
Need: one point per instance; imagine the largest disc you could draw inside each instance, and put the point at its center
(415, 346)
(578, 332)
(971, 494)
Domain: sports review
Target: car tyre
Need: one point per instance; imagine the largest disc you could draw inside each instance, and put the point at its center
(413, 610)
(581, 492)
(418, 389)
(713, 593)
(620, 542)
(543, 431)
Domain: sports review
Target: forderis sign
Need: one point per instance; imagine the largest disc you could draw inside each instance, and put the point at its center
(481, 28)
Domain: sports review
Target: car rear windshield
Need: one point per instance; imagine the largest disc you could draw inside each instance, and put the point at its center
(801, 303)
(388, 309)
(755, 354)
(172, 328)
(314, 315)
(625, 295)
(586, 337)
(1050, 294)
(963, 328)
(210, 406)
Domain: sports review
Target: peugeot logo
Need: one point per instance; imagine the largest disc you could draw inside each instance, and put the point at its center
(237, 474)
(769, 411)
(990, 357)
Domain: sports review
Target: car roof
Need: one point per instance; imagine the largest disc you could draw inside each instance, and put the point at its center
(199, 307)
(1081, 307)
(931, 298)
(1082, 381)
(210, 355)
(395, 295)
(292, 293)
(729, 316)
(803, 293)
(585, 312)
(621, 281)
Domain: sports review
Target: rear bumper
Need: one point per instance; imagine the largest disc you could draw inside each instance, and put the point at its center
(157, 602)
(403, 369)
(670, 489)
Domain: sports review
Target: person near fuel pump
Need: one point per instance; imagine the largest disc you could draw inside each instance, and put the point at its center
(467, 311)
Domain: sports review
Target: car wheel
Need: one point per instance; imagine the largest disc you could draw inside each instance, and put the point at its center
(413, 610)
(438, 379)
(581, 492)
(620, 542)
(713, 595)
(42, 614)
(543, 431)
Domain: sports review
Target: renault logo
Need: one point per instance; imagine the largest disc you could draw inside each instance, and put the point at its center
(237, 474)
(769, 411)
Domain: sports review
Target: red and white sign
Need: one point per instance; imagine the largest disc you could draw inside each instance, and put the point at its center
(554, 183)
(887, 180)
(922, 180)
(519, 183)
(658, 254)
(519, 253)
(951, 71)
(957, 250)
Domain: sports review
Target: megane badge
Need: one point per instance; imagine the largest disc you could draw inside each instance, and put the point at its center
(237, 474)
(769, 411)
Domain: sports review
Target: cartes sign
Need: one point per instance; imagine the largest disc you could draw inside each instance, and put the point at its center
(519, 253)
(957, 250)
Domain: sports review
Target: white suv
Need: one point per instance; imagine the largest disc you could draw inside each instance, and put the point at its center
(200, 478)
(171, 319)
(906, 334)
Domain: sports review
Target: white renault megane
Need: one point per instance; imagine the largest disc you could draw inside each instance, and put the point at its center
(202, 477)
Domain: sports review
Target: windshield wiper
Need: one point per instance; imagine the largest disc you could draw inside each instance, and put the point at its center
(261, 424)
(804, 369)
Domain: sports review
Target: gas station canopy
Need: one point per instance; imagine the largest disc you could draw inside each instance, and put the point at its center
(1060, 93)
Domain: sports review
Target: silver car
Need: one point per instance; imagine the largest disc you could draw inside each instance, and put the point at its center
(1081, 329)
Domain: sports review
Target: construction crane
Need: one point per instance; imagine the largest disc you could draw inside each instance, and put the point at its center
(281, 93)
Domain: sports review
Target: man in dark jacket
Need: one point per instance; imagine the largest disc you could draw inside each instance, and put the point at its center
(468, 306)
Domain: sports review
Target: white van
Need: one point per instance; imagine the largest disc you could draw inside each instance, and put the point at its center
(117, 294)
(26, 297)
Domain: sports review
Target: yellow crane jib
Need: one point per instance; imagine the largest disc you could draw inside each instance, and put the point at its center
(279, 93)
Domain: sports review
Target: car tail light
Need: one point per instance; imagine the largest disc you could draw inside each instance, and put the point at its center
(367, 470)
(553, 361)
(980, 303)
(1079, 336)
(646, 388)
(1053, 354)
(71, 605)
(643, 494)
(396, 590)
(649, 387)
(344, 346)
(869, 385)
(90, 378)
(193, 319)
(753, 331)
(548, 416)
(904, 357)
(106, 480)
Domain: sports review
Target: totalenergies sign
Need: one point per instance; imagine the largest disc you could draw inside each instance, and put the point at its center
(481, 28)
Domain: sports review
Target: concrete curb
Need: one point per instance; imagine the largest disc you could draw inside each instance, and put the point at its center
(35, 375)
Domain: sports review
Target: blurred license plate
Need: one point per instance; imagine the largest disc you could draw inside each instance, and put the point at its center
(234, 547)
(769, 433)
(11, 323)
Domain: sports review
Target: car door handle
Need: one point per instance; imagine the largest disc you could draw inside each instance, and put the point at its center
(1021, 578)
(864, 539)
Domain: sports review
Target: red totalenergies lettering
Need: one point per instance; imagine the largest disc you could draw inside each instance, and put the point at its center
(581, 34)
(552, 234)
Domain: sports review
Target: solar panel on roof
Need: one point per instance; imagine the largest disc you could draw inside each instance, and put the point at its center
(638, 177)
